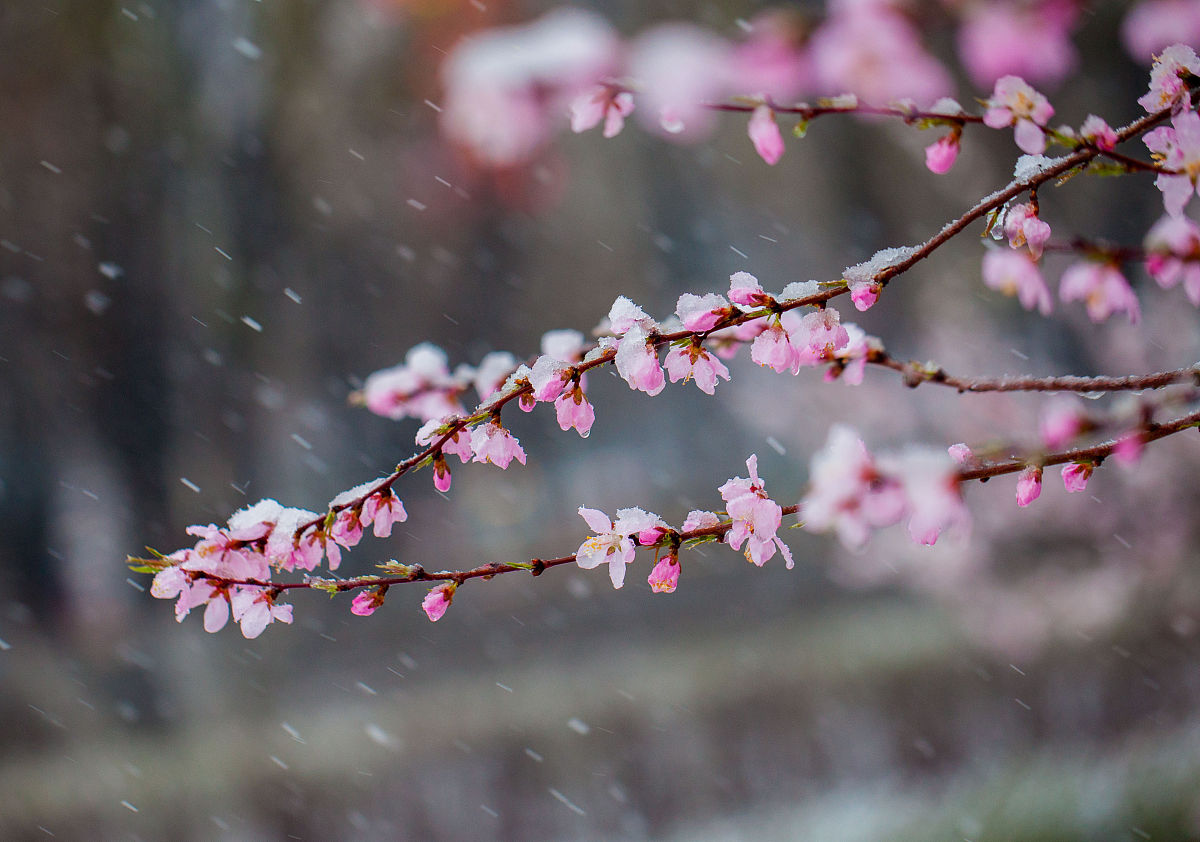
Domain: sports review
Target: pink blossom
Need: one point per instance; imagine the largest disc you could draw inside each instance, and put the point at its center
(679, 67)
(365, 602)
(664, 578)
(755, 516)
(381, 510)
(864, 294)
(1168, 85)
(1129, 447)
(929, 480)
(441, 474)
(573, 410)
(1102, 287)
(941, 155)
(438, 600)
(216, 613)
(725, 343)
(693, 361)
(773, 348)
(1177, 147)
(493, 443)
(612, 544)
(846, 491)
(1015, 103)
(764, 133)
(1152, 25)
(872, 50)
(1099, 133)
(816, 336)
(1075, 475)
(1022, 226)
(1016, 273)
(851, 359)
(606, 103)
(960, 453)
(458, 444)
(1031, 40)
(1061, 423)
(701, 312)
(1029, 485)
(493, 370)
(697, 519)
(637, 362)
(772, 59)
(1173, 254)
(254, 609)
(347, 528)
(745, 291)
(505, 87)
(624, 314)
(548, 378)
(566, 345)
(421, 387)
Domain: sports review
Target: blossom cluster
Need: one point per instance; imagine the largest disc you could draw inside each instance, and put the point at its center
(569, 61)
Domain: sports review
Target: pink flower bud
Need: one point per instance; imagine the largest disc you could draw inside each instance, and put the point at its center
(960, 453)
(664, 578)
(764, 132)
(1075, 476)
(365, 603)
(941, 155)
(438, 600)
(1029, 485)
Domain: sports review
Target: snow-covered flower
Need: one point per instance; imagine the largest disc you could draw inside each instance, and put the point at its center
(745, 291)
(1097, 131)
(493, 443)
(1168, 79)
(637, 361)
(701, 312)
(1015, 103)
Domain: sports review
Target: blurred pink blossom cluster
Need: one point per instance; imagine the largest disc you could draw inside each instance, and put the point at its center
(510, 90)
(852, 492)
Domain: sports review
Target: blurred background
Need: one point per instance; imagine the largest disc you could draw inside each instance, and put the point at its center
(218, 216)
